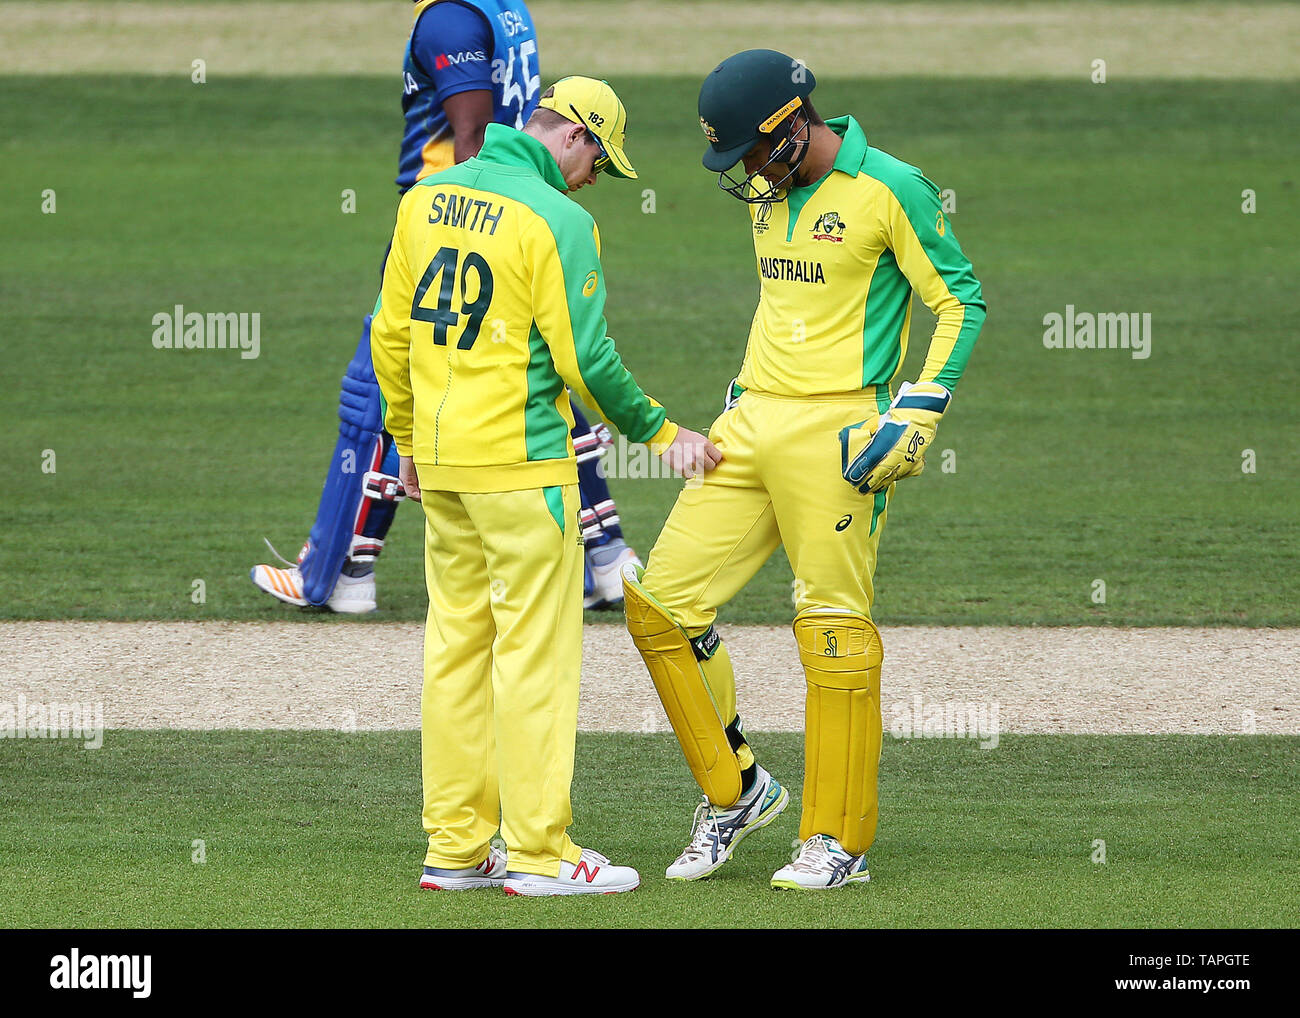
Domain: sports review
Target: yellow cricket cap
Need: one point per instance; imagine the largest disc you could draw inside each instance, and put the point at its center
(594, 105)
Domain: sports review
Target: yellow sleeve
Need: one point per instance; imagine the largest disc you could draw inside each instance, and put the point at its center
(390, 338)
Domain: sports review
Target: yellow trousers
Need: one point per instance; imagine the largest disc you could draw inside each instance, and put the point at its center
(779, 483)
(502, 661)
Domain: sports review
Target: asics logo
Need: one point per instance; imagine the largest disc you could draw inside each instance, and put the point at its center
(841, 870)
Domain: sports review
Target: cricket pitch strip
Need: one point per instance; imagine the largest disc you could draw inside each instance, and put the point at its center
(337, 675)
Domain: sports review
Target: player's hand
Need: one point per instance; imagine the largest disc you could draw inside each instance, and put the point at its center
(691, 454)
(872, 460)
(406, 474)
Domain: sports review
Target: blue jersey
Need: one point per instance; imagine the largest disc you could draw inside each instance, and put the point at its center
(457, 46)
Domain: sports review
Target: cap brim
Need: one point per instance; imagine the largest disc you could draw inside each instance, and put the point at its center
(718, 160)
(618, 164)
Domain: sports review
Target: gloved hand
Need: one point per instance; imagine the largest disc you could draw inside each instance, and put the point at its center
(872, 461)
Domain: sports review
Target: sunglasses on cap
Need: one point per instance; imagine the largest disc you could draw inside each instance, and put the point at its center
(603, 160)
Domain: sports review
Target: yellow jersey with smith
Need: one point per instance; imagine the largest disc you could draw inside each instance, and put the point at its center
(493, 300)
(838, 261)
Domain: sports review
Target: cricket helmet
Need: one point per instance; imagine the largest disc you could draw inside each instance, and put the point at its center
(750, 96)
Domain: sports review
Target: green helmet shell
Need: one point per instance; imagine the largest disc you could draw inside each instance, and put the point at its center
(740, 98)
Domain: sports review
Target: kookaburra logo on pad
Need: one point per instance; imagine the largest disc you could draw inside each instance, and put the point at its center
(832, 644)
(829, 226)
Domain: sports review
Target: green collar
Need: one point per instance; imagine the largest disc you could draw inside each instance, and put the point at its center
(854, 147)
(507, 147)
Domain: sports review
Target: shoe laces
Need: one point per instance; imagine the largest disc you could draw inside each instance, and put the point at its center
(814, 855)
(291, 565)
(704, 822)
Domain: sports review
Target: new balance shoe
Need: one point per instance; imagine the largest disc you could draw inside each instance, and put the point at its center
(491, 872)
(822, 865)
(593, 874)
(604, 567)
(353, 595)
(716, 831)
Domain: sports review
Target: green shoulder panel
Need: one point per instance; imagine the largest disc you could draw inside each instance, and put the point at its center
(881, 346)
(546, 433)
(607, 379)
(920, 201)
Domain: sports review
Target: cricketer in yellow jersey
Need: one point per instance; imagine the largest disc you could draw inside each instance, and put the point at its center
(813, 439)
(493, 300)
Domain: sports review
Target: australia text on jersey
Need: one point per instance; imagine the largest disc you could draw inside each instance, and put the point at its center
(791, 270)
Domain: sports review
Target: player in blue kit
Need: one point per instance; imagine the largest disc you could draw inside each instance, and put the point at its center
(468, 63)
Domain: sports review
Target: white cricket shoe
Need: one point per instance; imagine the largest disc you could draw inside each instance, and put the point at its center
(353, 595)
(822, 865)
(607, 574)
(491, 872)
(717, 831)
(593, 874)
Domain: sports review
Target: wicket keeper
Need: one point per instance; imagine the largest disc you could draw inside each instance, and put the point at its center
(814, 437)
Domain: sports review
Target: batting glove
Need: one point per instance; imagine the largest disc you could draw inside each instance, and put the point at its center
(872, 461)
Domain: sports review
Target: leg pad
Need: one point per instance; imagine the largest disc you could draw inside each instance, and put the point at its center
(841, 655)
(670, 657)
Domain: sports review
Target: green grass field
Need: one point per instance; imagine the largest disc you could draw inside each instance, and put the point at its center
(322, 830)
(1071, 466)
(130, 473)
